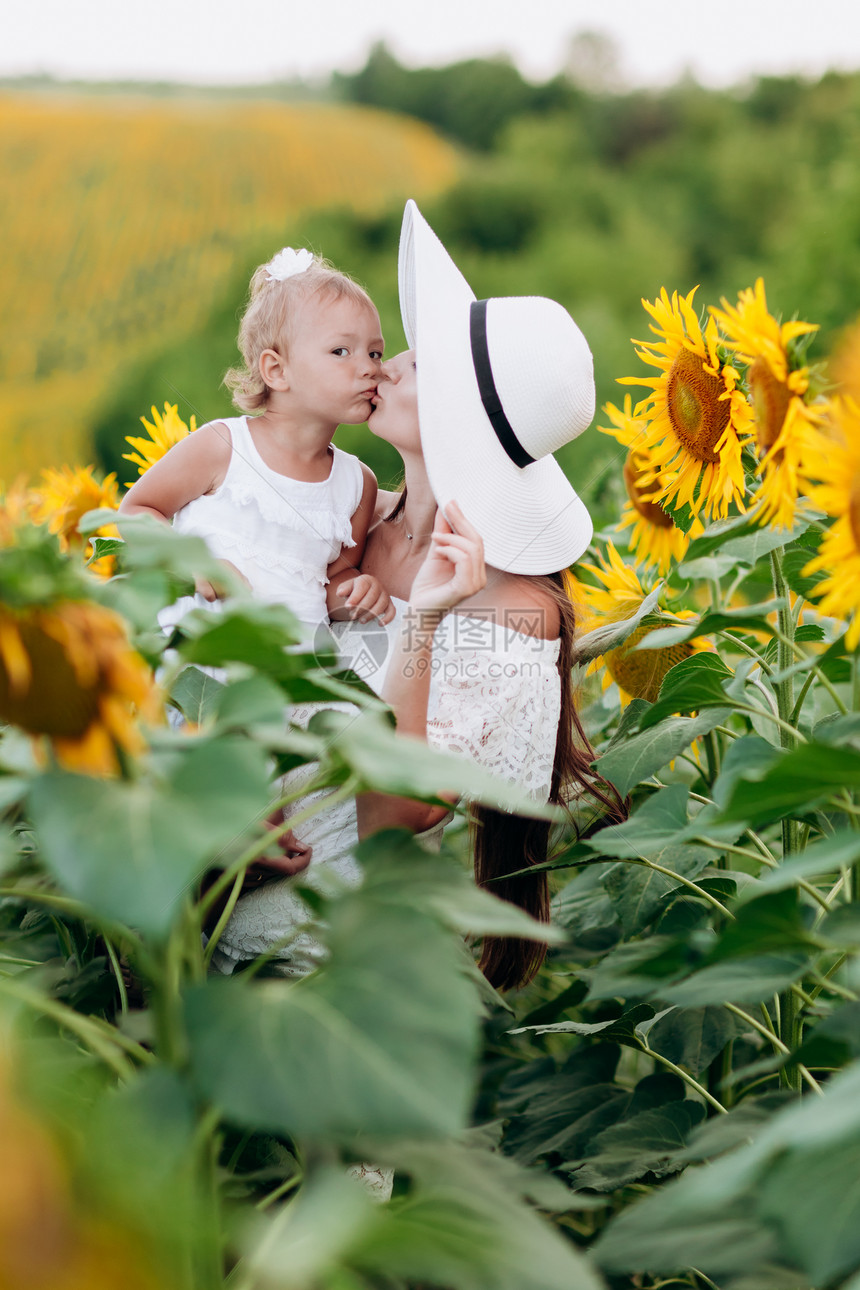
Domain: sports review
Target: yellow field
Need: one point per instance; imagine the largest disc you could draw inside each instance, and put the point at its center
(122, 218)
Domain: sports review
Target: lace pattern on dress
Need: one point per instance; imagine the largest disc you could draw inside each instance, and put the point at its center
(495, 698)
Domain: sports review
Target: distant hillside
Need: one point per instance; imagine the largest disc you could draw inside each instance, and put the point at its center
(123, 218)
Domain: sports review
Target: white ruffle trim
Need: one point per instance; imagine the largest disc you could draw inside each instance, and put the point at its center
(276, 509)
(264, 558)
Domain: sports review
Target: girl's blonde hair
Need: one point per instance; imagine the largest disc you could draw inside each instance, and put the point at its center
(268, 321)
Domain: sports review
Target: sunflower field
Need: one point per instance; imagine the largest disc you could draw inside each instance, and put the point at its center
(124, 220)
(673, 1102)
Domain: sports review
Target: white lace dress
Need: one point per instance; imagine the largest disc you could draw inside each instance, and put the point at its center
(281, 533)
(495, 698)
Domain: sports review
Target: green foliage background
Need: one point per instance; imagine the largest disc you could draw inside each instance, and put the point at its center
(594, 198)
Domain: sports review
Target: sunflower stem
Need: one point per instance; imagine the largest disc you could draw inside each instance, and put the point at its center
(789, 1021)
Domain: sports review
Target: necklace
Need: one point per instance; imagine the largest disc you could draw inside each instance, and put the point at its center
(409, 536)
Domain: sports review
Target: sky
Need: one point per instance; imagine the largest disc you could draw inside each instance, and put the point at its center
(720, 42)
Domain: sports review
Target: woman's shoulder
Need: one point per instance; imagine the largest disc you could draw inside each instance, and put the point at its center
(518, 604)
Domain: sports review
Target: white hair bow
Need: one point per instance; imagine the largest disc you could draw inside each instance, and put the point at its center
(287, 263)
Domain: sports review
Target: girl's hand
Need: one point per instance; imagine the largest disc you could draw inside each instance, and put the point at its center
(366, 598)
(217, 591)
(454, 568)
(294, 856)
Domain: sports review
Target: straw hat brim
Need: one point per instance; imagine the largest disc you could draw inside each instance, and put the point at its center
(530, 518)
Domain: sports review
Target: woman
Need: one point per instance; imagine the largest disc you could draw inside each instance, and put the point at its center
(485, 523)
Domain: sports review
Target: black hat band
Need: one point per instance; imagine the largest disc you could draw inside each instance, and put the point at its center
(487, 386)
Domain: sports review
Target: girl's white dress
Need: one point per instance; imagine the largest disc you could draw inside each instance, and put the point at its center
(495, 698)
(281, 533)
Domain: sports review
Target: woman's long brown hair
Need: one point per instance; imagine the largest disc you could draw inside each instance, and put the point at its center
(505, 844)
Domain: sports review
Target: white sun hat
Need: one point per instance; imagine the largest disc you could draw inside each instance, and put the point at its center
(502, 384)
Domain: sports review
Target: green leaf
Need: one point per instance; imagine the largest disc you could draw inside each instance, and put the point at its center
(380, 1041)
(737, 1127)
(679, 1226)
(838, 728)
(709, 568)
(834, 1042)
(649, 751)
(658, 1239)
(795, 560)
(465, 1227)
(582, 906)
(747, 758)
(445, 890)
(13, 789)
(716, 535)
(657, 832)
(797, 782)
(738, 980)
(643, 1144)
(254, 633)
(749, 617)
(692, 1037)
(637, 892)
(772, 922)
(841, 927)
(752, 547)
(557, 1110)
(391, 763)
(103, 546)
(251, 702)
(690, 685)
(305, 1245)
(827, 856)
(813, 1198)
(650, 829)
(195, 694)
(612, 634)
(683, 517)
(639, 968)
(131, 850)
(90, 521)
(621, 1030)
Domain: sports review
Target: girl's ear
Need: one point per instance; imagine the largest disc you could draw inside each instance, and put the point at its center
(273, 369)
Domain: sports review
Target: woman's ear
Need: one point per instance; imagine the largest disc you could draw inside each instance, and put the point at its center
(273, 369)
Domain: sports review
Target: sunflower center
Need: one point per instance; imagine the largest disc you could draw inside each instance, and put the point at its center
(640, 674)
(650, 511)
(697, 413)
(771, 398)
(55, 703)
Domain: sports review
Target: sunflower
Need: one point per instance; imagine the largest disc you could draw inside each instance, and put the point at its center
(69, 675)
(833, 459)
(64, 497)
(697, 420)
(637, 673)
(654, 539)
(49, 1235)
(164, 432)
(779, 387)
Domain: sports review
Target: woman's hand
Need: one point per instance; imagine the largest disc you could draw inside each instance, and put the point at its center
(454, 568)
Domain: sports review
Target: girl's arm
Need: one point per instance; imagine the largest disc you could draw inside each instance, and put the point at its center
(453, 571)
(194, 466)
(351, 594)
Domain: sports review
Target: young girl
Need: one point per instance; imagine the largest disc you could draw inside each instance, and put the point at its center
(274, 499)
